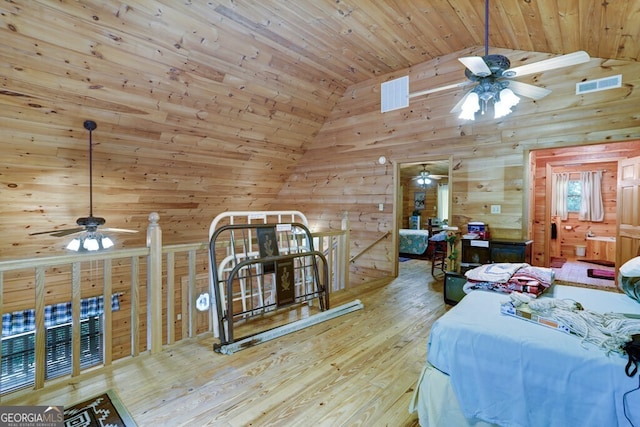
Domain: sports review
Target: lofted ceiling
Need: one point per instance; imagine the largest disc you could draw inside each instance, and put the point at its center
(208, 106)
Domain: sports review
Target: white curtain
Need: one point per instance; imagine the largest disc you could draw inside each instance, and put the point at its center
(591, 207)
(560, 188)
(443, 201)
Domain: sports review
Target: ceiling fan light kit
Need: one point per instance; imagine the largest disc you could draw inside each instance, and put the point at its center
(90, 242)
(425, 178)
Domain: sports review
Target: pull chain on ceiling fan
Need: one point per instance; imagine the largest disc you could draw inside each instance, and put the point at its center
(91, 239)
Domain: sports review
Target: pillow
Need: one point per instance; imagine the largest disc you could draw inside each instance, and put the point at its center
(629, 278)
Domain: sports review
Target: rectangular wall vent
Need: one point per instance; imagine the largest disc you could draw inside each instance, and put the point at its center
(394, 94)
(599, 84)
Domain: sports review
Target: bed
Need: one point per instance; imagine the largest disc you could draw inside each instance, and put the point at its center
(485, 368)
(414, 242)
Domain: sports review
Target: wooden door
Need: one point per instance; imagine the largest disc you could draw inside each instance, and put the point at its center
(628, 206)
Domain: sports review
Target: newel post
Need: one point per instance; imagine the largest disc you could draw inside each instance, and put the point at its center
(154, 284)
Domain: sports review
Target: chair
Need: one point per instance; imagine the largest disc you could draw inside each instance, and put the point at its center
(439, 256)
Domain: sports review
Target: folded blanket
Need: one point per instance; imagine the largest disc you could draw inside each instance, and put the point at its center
(498, 273)
(532, 290)
(509, 277)
(545, 276)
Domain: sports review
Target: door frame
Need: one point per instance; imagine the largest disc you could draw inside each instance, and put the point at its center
(398, 201)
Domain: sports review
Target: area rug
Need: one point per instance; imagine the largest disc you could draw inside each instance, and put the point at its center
(105, 409)
(601, 274)
(557, 262)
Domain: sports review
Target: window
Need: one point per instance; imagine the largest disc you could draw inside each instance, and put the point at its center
(18, 341)
(18, 353)
(574, 195)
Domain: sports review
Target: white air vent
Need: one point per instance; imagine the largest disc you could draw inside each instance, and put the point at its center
(599, 84)
(394, 94)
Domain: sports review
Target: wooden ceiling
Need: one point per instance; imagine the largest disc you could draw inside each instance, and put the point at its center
(207, 106)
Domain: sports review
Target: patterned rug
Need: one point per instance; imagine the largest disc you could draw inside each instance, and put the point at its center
(99, 411)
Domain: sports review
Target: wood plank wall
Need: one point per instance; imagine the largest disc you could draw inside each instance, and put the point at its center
(490, 166)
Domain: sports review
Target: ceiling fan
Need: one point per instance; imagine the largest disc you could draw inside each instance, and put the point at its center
(89, 224)
(425, 177)
(492, 76)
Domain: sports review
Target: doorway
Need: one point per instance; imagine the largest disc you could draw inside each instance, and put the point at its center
(567, 245)
(422, 190)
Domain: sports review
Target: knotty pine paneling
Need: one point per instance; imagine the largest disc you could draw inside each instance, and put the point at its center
(207, 107)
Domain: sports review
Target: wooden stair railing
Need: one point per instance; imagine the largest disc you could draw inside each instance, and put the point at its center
(353, 258)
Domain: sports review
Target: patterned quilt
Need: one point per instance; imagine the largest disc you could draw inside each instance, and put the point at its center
(413, 241)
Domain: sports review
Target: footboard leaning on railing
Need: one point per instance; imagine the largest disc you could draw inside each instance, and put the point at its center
(153, 292)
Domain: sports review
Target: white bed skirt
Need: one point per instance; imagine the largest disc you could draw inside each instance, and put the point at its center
(436, 403)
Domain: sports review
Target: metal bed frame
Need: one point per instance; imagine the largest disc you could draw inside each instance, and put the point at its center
(258, 267)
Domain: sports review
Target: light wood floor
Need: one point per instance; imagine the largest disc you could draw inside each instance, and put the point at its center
(359, 369)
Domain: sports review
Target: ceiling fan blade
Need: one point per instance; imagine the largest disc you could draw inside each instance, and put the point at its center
(561, 61)
(58, 233)
(63, 233)
(476, 65)
(119, 230)
(530, 91)
(440, 89)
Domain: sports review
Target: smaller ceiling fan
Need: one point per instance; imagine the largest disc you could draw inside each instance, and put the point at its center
(93, 240)
(425, 177)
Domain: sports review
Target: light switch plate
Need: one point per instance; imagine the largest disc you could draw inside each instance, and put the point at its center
(495, 209)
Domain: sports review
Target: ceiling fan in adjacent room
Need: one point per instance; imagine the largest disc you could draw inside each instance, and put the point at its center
(425, 177)
(92, 239)
(492, 76)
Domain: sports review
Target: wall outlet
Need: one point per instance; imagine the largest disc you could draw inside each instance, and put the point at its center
(380, 207)
(495, 209)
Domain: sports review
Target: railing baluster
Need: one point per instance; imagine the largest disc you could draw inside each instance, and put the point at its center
(171, 329)
(135, 305)
(192, 293)
(75, 319)
(41, 333)
(107, 329)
